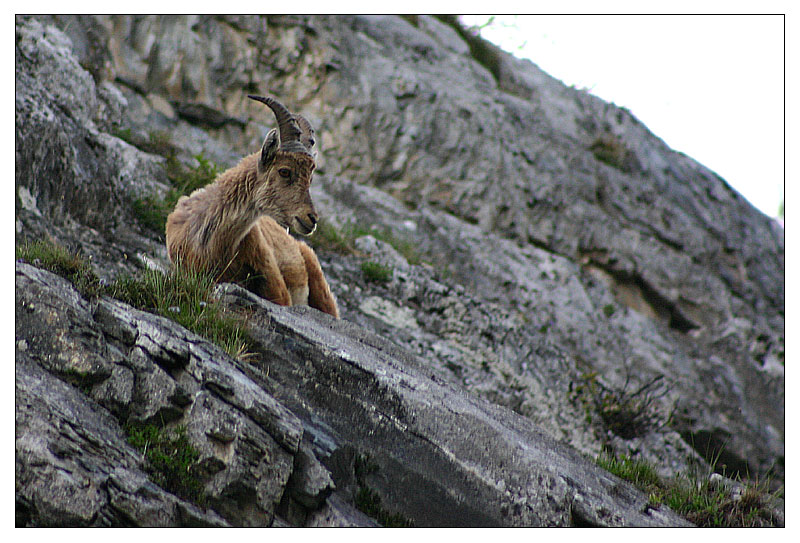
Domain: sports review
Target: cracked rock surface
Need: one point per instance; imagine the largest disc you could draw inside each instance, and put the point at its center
(337, 396)
(547, 256)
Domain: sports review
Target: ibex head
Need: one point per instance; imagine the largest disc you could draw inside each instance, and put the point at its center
(285, 168)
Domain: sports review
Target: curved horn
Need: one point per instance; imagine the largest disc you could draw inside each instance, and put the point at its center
(307, 136)
(288, 129)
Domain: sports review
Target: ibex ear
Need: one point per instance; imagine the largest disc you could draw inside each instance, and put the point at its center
(268, 151)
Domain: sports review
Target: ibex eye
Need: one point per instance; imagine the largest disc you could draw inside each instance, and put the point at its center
(285, 172)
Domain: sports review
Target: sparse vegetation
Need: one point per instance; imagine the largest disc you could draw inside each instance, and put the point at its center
(483, 51)
(125, 134)
(328, 237)
(376, 272)
(152, 211)
(60, 261)
(627, 414)
(80, 380)
(170, 459)
(342, 240)
(368, 501)
(641, 474)
(702, 501)
(157, 142)
(183, 295)
(610, 150)
(406, 248)
(187, 179)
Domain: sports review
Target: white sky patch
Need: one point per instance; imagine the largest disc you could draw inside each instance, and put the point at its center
(709, 86)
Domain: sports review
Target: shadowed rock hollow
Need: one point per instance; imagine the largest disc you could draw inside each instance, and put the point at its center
(547, 258)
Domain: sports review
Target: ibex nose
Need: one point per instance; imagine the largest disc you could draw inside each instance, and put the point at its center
(313, 218)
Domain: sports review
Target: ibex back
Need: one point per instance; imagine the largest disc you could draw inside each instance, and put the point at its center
(238, 226)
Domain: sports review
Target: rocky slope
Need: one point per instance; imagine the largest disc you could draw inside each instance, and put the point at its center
(549, 258)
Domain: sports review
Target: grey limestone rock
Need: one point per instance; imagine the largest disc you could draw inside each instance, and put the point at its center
(136, 368)
(437, 455)
(566, 258)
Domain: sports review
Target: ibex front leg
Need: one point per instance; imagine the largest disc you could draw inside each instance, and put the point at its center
(319, 293)
(261, 272)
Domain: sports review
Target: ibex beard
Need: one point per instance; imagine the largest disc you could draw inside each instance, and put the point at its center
(238, 226)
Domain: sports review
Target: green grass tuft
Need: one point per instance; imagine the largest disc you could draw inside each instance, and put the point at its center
(328, 237)
(641, 474)
(406, 248)
(184, 295)
(378, 273)
(170, 459)
(188, 179)
(709, 504)
(700, 500)
(152, 210)
(60, 261)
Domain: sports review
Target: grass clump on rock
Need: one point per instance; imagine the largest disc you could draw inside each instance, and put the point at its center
(183, 295)
(152, 211)
(60, 261)
(368, 501)
(328, 237)
(626, 413)
(376, 272)
(170, 458)
(706, 502)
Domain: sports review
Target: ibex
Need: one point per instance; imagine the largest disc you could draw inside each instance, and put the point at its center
(238, 226)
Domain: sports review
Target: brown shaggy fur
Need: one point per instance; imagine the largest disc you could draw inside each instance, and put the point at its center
(237, 227)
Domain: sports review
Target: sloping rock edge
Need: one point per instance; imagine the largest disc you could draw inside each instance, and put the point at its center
(327, 413)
